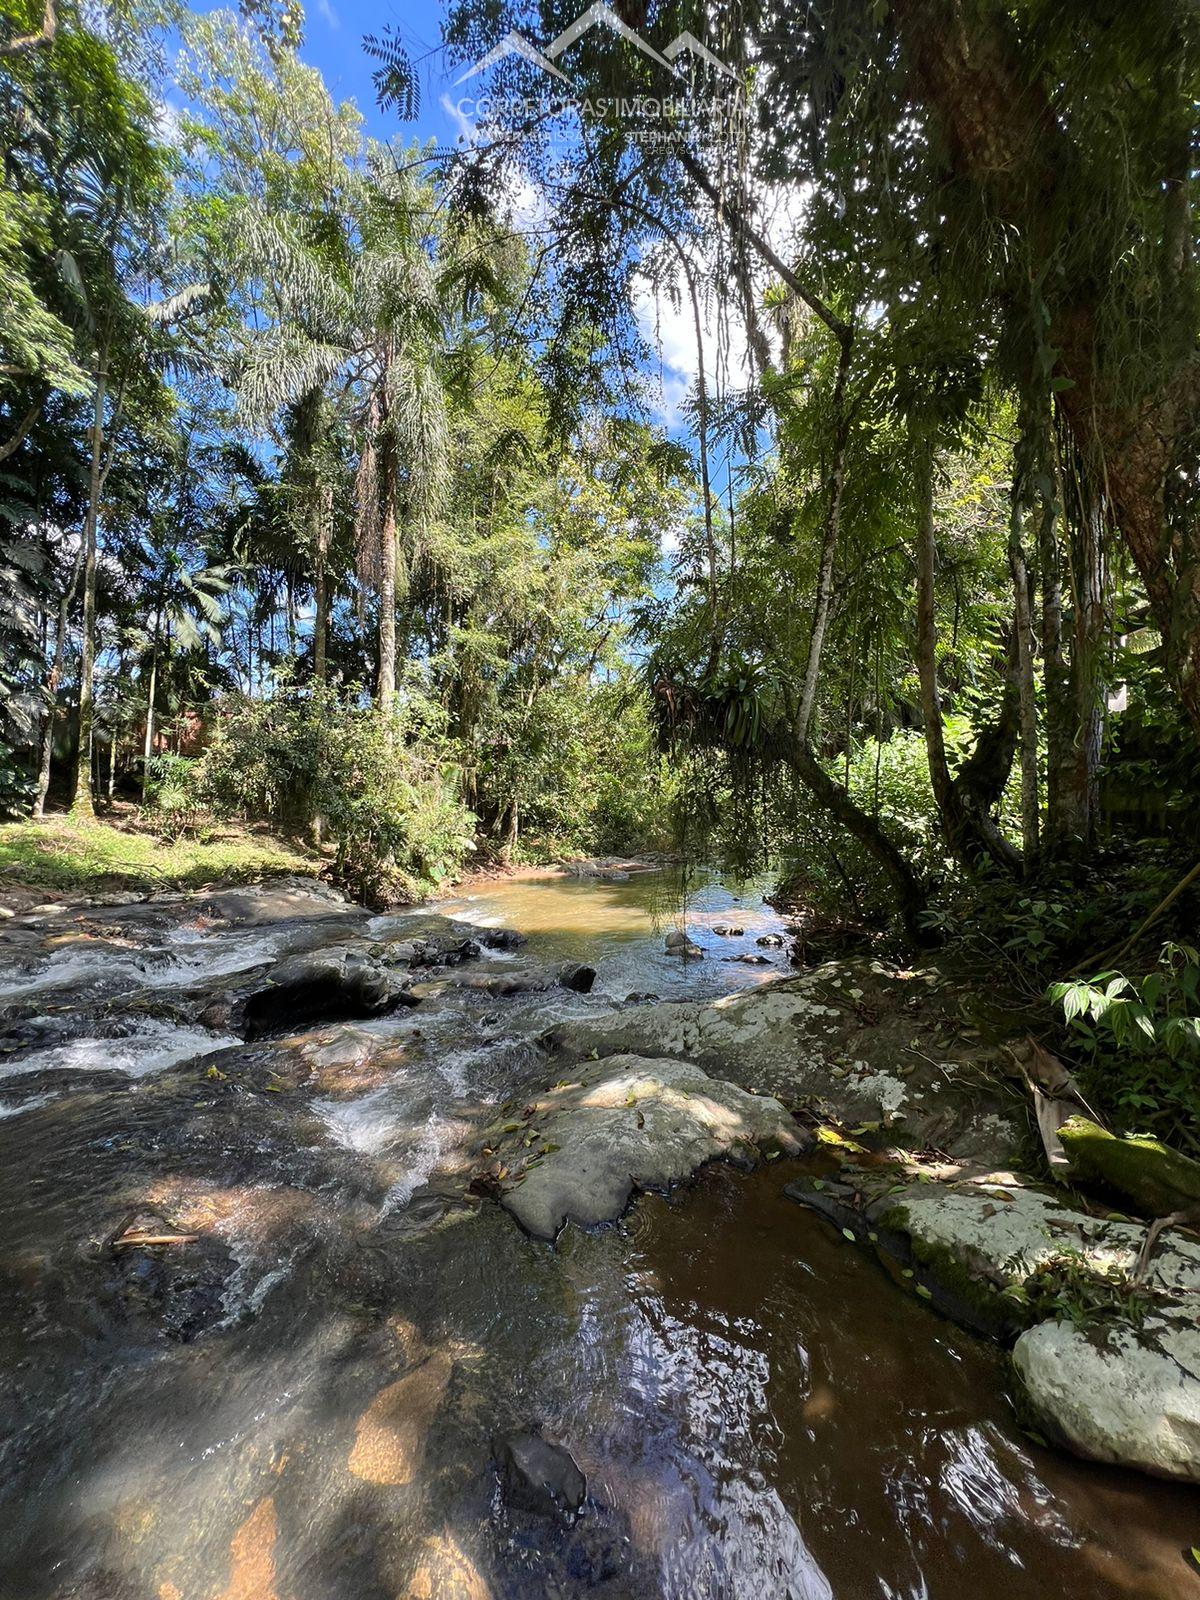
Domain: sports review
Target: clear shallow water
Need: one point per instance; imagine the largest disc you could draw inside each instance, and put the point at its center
(299, 1405)
(620, 928)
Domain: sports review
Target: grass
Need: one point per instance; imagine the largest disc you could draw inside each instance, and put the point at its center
(61, 852)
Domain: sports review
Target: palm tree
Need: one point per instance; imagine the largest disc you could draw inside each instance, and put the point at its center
(188, 611)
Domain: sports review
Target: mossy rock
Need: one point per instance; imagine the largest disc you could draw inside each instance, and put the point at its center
(1157, 1179)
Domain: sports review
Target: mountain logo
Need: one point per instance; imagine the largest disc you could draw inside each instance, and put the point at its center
(598, 15)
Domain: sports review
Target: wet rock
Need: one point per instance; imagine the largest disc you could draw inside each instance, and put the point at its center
(626, 1124)
(502, 939)
(331, 985)
(770, 941)
(177, 1289)
(1121, 1394)
(724, 930)
(578, 977)
(677, 943)
(999, 1231)
(538, 1475)
(749, 959)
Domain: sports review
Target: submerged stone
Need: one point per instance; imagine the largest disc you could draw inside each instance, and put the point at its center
(538, 1475)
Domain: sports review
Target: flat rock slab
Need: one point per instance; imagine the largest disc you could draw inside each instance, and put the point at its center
(784, 1038)
(1121, 1394)
(1001, 1231)
(628, 1123)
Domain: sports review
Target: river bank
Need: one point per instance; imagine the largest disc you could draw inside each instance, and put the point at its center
(297, 1391)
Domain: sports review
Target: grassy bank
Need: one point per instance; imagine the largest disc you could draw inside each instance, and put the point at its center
(63, 853)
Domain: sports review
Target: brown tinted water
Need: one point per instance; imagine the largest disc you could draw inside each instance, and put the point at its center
(300, 1406)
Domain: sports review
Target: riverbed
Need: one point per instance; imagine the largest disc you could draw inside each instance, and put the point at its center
(297, 1397)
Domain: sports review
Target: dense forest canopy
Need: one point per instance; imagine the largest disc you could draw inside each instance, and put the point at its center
(339, 493)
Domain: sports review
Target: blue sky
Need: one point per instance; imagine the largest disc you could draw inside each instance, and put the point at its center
(333, 43)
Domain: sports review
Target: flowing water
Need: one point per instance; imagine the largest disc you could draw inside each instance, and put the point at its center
(298, 1401)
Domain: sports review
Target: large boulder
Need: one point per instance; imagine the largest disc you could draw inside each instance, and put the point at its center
(624, 1124)
(330, 985)
(1122, 1394)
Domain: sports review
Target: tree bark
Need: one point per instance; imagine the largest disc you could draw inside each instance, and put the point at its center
(829, 543)
(964, 800)
(1056, 673)
(322, 514)
(1086, 671)
(52, 682)
(1023, 625)
(387, 584)
(149, 744)
(82, 798)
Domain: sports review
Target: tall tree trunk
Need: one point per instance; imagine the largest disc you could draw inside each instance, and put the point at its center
(52, 682)
(387, 584)
(1056, 673)
(1003, 134)
(82, 799)
(829, 544)
(1087, 670)
(1023, 625)
(964, 800)
(149, 745)
(931, 705)
(322, 513)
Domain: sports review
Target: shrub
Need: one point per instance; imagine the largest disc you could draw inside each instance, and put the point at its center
(1141, 1038)
(172, 793)
(374, 786)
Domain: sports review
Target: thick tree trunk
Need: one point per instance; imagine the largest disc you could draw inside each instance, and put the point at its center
(82, 799)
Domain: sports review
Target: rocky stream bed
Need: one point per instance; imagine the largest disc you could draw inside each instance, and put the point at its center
(320, 1273)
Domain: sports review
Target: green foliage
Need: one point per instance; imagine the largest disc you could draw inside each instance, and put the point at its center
(375, 785)
(172, 791)
(1067, 1287)
(1141, 1039)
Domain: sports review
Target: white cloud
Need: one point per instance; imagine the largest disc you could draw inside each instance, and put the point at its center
(328, 15)
(667, 322)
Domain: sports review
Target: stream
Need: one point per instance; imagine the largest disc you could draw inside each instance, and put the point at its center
(296, 1398)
